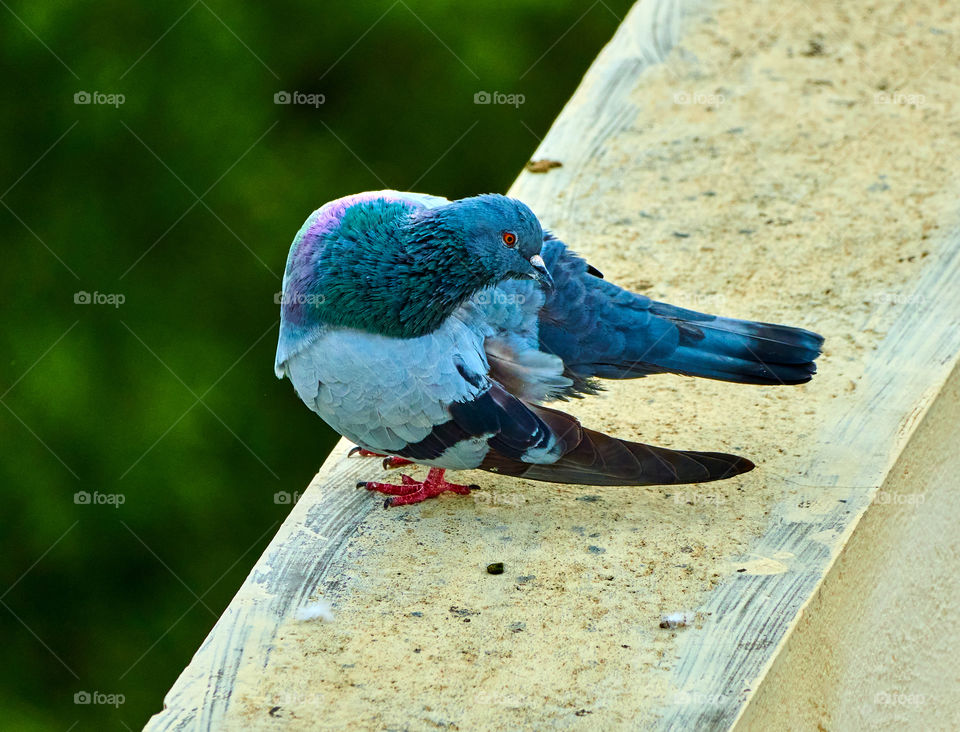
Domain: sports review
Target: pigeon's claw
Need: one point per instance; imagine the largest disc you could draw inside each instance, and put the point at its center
(412, 491)
(363, 452)
(389, 461)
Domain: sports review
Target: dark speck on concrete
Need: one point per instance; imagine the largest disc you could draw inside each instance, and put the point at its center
(734, 130)
(517, 626)
(495, 568)
(596, 549)
(746, 231)
(681, 235)
(524, 578)
(589, 499)
(416, 614)
(407, 518)
(814, 48)
(577, 530)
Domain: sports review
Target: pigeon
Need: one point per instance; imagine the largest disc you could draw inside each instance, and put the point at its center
(436, 332)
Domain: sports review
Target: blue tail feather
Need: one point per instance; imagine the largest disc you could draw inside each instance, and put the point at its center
(601, 330)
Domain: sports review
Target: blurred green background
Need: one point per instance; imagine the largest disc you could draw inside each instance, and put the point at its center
(162, 411)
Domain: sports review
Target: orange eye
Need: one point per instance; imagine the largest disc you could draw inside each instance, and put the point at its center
(509, 239)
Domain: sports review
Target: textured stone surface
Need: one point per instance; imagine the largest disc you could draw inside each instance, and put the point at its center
(784, 162)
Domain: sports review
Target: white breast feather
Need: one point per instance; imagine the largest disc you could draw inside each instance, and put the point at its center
(384, 393)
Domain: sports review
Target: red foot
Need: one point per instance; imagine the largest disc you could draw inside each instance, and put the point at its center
(412, 491)
(389, 461)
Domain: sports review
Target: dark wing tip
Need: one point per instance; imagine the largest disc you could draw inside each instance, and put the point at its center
(593, 458)
(722, 465)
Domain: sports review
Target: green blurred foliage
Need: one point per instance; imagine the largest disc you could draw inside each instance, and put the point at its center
(169, 400)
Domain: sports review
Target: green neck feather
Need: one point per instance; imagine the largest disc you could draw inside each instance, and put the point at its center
(387, 271)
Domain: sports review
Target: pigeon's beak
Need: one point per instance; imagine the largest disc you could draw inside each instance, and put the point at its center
(540, 273)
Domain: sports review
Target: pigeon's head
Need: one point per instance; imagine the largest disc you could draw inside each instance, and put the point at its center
(500, 235)
(398, 265)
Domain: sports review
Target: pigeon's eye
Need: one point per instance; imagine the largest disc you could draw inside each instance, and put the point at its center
(509, 239)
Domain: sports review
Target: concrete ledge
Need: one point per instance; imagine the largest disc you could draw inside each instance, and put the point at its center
(872, 647)
(783, 162)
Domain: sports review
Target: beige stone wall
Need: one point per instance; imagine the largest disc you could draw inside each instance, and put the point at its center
(876, 647)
